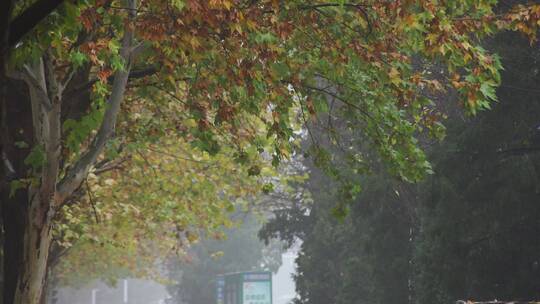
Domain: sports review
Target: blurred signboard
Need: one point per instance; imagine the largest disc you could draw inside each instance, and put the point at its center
(257, 292)
(253, 287)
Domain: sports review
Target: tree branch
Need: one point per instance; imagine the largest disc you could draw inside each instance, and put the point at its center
(135, 74)
(358, 7)
(35, 80)
(112, 165)
(28, 19)
(34, 76)
(322, 5)
(76, 175)
(53, 125)
(6, 8)
(519, 151)
(91, 199)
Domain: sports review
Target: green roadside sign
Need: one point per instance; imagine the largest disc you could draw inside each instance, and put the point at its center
(253, 287)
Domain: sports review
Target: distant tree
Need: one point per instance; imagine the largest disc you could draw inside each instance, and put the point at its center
(479, 217)
(360, 258)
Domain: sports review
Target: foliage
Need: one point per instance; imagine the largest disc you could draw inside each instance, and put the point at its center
(132, 218)
(266, 49)
(468, 232)
(358, 258)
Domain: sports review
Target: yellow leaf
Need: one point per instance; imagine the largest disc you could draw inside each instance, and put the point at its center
(394, 76)
(194, 42)
(236, 27)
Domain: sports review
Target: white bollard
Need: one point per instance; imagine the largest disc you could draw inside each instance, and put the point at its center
(125, 291)
(94, 292)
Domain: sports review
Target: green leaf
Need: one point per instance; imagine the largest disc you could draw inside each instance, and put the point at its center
(281, 70)
(265, 38)
(114, 46)
(14, 186)
(78, 58)
(340, 211)
(488, 90)
(267, 188)
(36, 158)
(179, 4)
(21, 144)
(117, 63)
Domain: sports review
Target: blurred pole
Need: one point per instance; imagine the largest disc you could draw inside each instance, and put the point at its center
(125, 291)
(94, 292)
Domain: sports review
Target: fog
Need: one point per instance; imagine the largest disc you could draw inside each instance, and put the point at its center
(138, 292)
(283, 284)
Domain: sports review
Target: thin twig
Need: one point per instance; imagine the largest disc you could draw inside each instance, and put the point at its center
(91, 198)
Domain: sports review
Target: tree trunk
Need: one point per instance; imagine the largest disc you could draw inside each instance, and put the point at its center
(49, 289)
(37, 241)
(26, 248)
(13, 213)
(25, 251)
(29, 117)
(16, 126)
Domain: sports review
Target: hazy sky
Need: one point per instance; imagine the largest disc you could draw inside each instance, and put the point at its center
(283, 284)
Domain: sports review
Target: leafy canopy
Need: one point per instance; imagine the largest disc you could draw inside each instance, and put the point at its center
(224, 59)
(240, 75)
